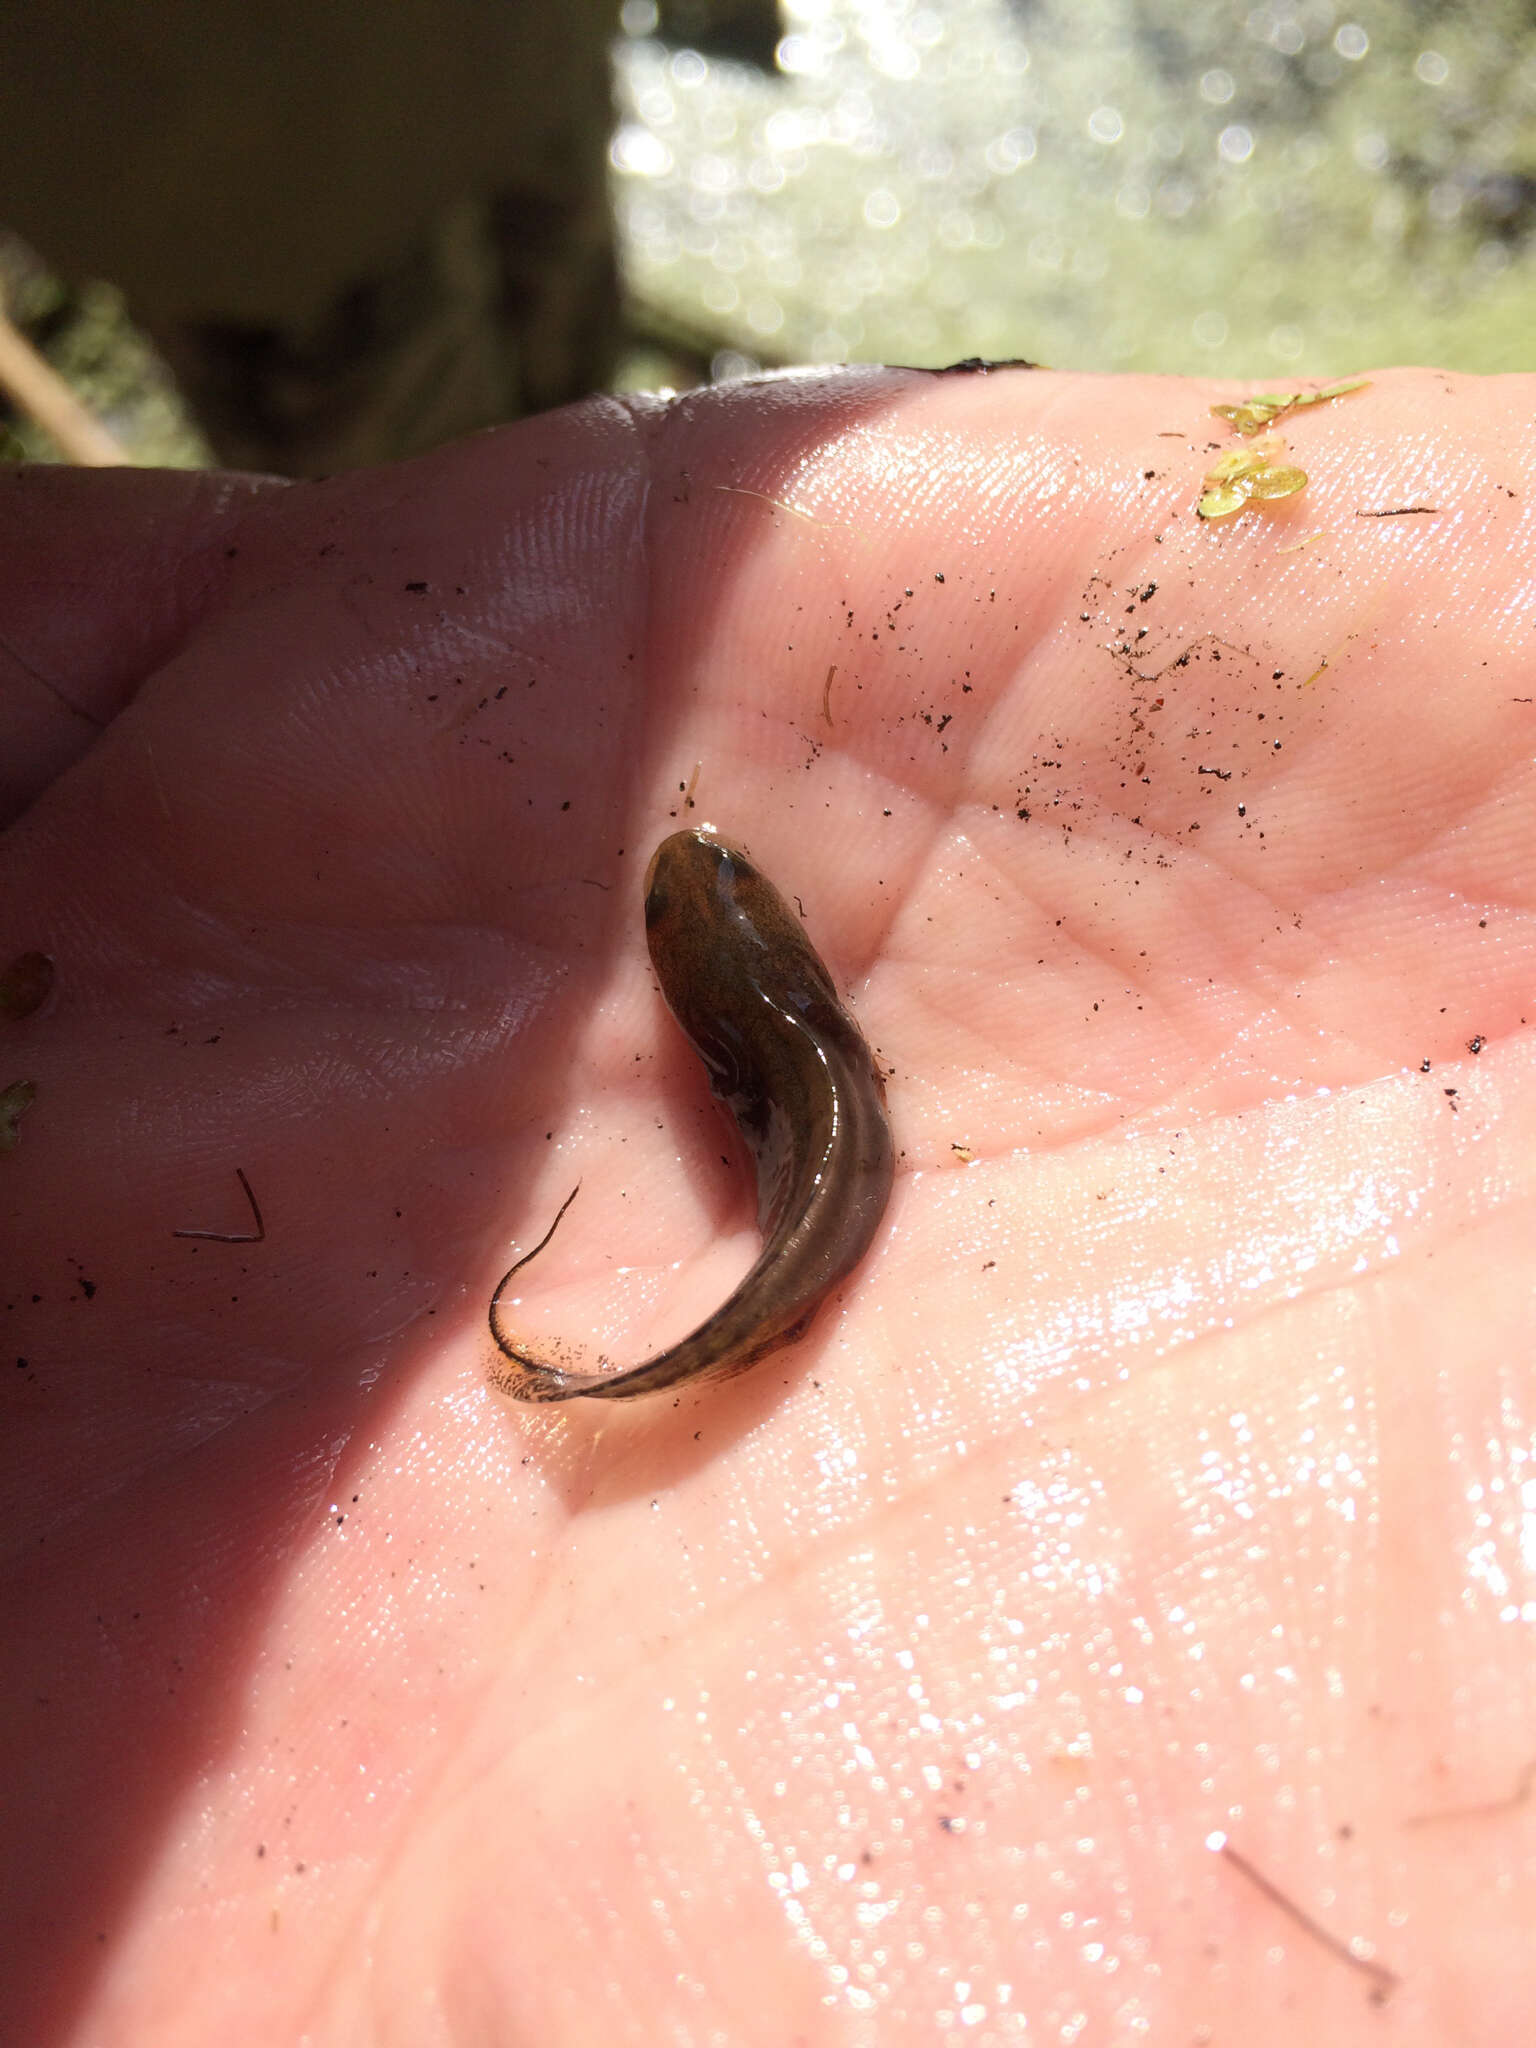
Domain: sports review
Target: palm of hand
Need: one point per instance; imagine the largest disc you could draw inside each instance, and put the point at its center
(1158, 1475)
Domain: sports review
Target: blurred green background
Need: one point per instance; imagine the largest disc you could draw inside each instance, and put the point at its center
(301, 239)
(1100, 184)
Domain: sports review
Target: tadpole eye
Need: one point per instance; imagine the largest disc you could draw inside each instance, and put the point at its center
(655, 904)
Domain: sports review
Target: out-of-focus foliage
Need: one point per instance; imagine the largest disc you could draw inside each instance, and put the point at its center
(87, 336)
(1175, 184)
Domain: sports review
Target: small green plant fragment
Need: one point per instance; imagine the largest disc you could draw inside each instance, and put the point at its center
(24, 985)
(14, 1100)
(1220, 504)
(1243, 474)
(1283, 482)
(1253, 415)
(1269, 407)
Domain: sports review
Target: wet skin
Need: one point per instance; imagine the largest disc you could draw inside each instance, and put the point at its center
(1199, 1509)
(791, 1066)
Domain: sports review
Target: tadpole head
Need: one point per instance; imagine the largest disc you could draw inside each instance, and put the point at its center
(684, 869)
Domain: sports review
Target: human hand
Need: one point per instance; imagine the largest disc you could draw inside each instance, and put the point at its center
(1165, 1472)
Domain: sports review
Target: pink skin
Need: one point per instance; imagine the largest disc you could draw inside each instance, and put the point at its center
(1167, 1472)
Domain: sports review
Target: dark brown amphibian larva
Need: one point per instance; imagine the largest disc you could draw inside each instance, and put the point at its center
(789, 1063)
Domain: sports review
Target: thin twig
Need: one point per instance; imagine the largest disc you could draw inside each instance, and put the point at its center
(1384, 1980)
(45, 398)
(234, 1236)
(1484, 1809)
(778, 504)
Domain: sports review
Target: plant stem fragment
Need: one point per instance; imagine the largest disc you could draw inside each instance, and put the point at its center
(256, 1236)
